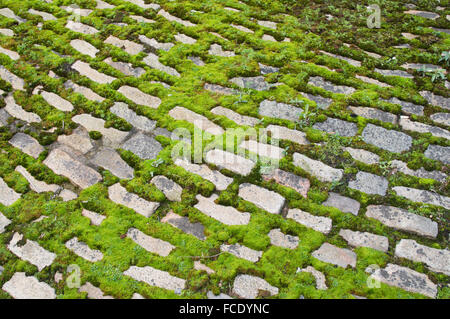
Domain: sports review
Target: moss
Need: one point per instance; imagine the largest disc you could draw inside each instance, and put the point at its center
(95, 135)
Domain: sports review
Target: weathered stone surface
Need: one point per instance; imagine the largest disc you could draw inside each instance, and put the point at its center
(421, 172)
(153, 245)
(86, 92)
(128, 46)
(218, 179)
(211, 295)
(180, 37)
(144, 146)
(164, 84)
(80, 27)
(437, 259)
(374, 114)
(235, 163)
(268, 37)
(320, 82)
(18, 112)
(196, 60)
(219, 89)
(170, 17)
(235, 117)
(35, 185)
(4, 222)
(7, 32)
(31, 251)
(364, 239)
(139, 121)
(399, 73)
(67, 195)
(426, 197)
(284, 133)
(183, 223)
(21, 286)
(152, 60)
(119, 195)
(320, 278)
(81, 175)
(156, 277)
(438, 153)
(407, 107)
(16, 82)
(414, 126)
(267, 69)
(125, 68)
(336, 126)
(288, 179)
(363, 155)
(256, 83)
(262, 149)
(369, 183)
(84, 47)
(183, 114)
(341, 257)
(216, 49)
(436, 100)
(77, 11)
(403, 220)
(321, 171)
(56, 101)
(12, 55)
(96, 219)
(27, 144)
(340, 57)
(4, 116)
(79, 140)
(248, 287)
(46, 16)
(390, 140)
(279, 110)
(441, 118)
(109, 159)
(277, 238)
(268, 24)
(442, 30)
(10, 14)
(224, 214)
(406, 279)
(93, 292)
(155, 44)
(322, 102)
(242, 28)
(103, 5)
(423, 14)
(199, 266)
(171, 189)
(139, 97)
(423, 66)
(261, 197)
(83, 250)
(345, 204)
(85, 70)
(7, 195)
(243, 252)
(318, 223)
(372, 81)
(137, 296)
